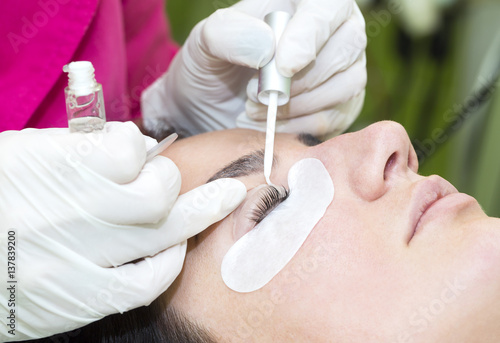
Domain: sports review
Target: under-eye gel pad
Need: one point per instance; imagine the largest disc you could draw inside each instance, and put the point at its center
(265, 250)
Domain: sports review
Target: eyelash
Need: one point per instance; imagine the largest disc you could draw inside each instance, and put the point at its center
(271, 198)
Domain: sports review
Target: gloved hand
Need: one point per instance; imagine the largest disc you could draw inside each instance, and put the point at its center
(323, 48)
(75, 209)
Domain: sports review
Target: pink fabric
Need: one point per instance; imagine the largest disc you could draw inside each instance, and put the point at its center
(128, 42)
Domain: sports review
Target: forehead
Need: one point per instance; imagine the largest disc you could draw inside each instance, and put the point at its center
(199, 157)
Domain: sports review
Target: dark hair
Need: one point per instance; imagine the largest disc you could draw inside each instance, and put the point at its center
(156, 323)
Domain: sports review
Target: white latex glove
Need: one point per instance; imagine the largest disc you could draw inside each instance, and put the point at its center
(74, 209)
(323, 48)
(420, 18)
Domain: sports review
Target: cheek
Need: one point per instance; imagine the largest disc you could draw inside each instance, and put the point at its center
(477, 264)
(340, 276)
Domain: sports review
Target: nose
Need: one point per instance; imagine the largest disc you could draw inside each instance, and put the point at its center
(371, 160)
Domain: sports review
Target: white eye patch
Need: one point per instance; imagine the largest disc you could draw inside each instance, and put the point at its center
(265, 250)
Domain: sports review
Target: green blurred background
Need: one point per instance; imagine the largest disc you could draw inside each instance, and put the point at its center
(432, 66)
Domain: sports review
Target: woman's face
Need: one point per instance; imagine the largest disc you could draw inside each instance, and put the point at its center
(397, 257)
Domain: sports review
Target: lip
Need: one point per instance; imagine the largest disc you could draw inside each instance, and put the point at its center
(426, 195)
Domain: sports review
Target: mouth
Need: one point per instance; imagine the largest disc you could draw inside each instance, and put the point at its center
(426, 195)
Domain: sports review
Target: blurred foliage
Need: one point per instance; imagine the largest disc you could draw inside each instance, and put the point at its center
(426, 83)
(185, 15)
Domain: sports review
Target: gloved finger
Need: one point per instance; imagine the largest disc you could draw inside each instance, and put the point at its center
(149, 142)
(339, 53)
(117, 152)
(324, 124)
(121, 154)
(312, 25)
(32, 131)
(259, 8)
(32, 140)
(238, 38)
(138, 284)
(145, 200)
(192, 213)
(201, 207)
(338, 89)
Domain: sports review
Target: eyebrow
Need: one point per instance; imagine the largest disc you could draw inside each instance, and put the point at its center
(253, 163)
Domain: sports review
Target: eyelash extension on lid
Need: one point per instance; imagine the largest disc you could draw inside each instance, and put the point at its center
(271, 198)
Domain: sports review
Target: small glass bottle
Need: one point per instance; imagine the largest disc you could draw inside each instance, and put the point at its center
(84, 99)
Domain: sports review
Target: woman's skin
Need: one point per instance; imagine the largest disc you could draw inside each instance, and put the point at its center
(362, 275)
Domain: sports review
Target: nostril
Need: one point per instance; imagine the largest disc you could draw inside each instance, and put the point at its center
(390, 164)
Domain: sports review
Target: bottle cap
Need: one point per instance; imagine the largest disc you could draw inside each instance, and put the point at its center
(81, 78)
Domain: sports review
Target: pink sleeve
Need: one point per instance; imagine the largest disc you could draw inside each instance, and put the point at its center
(150, 48)
(128, 42)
